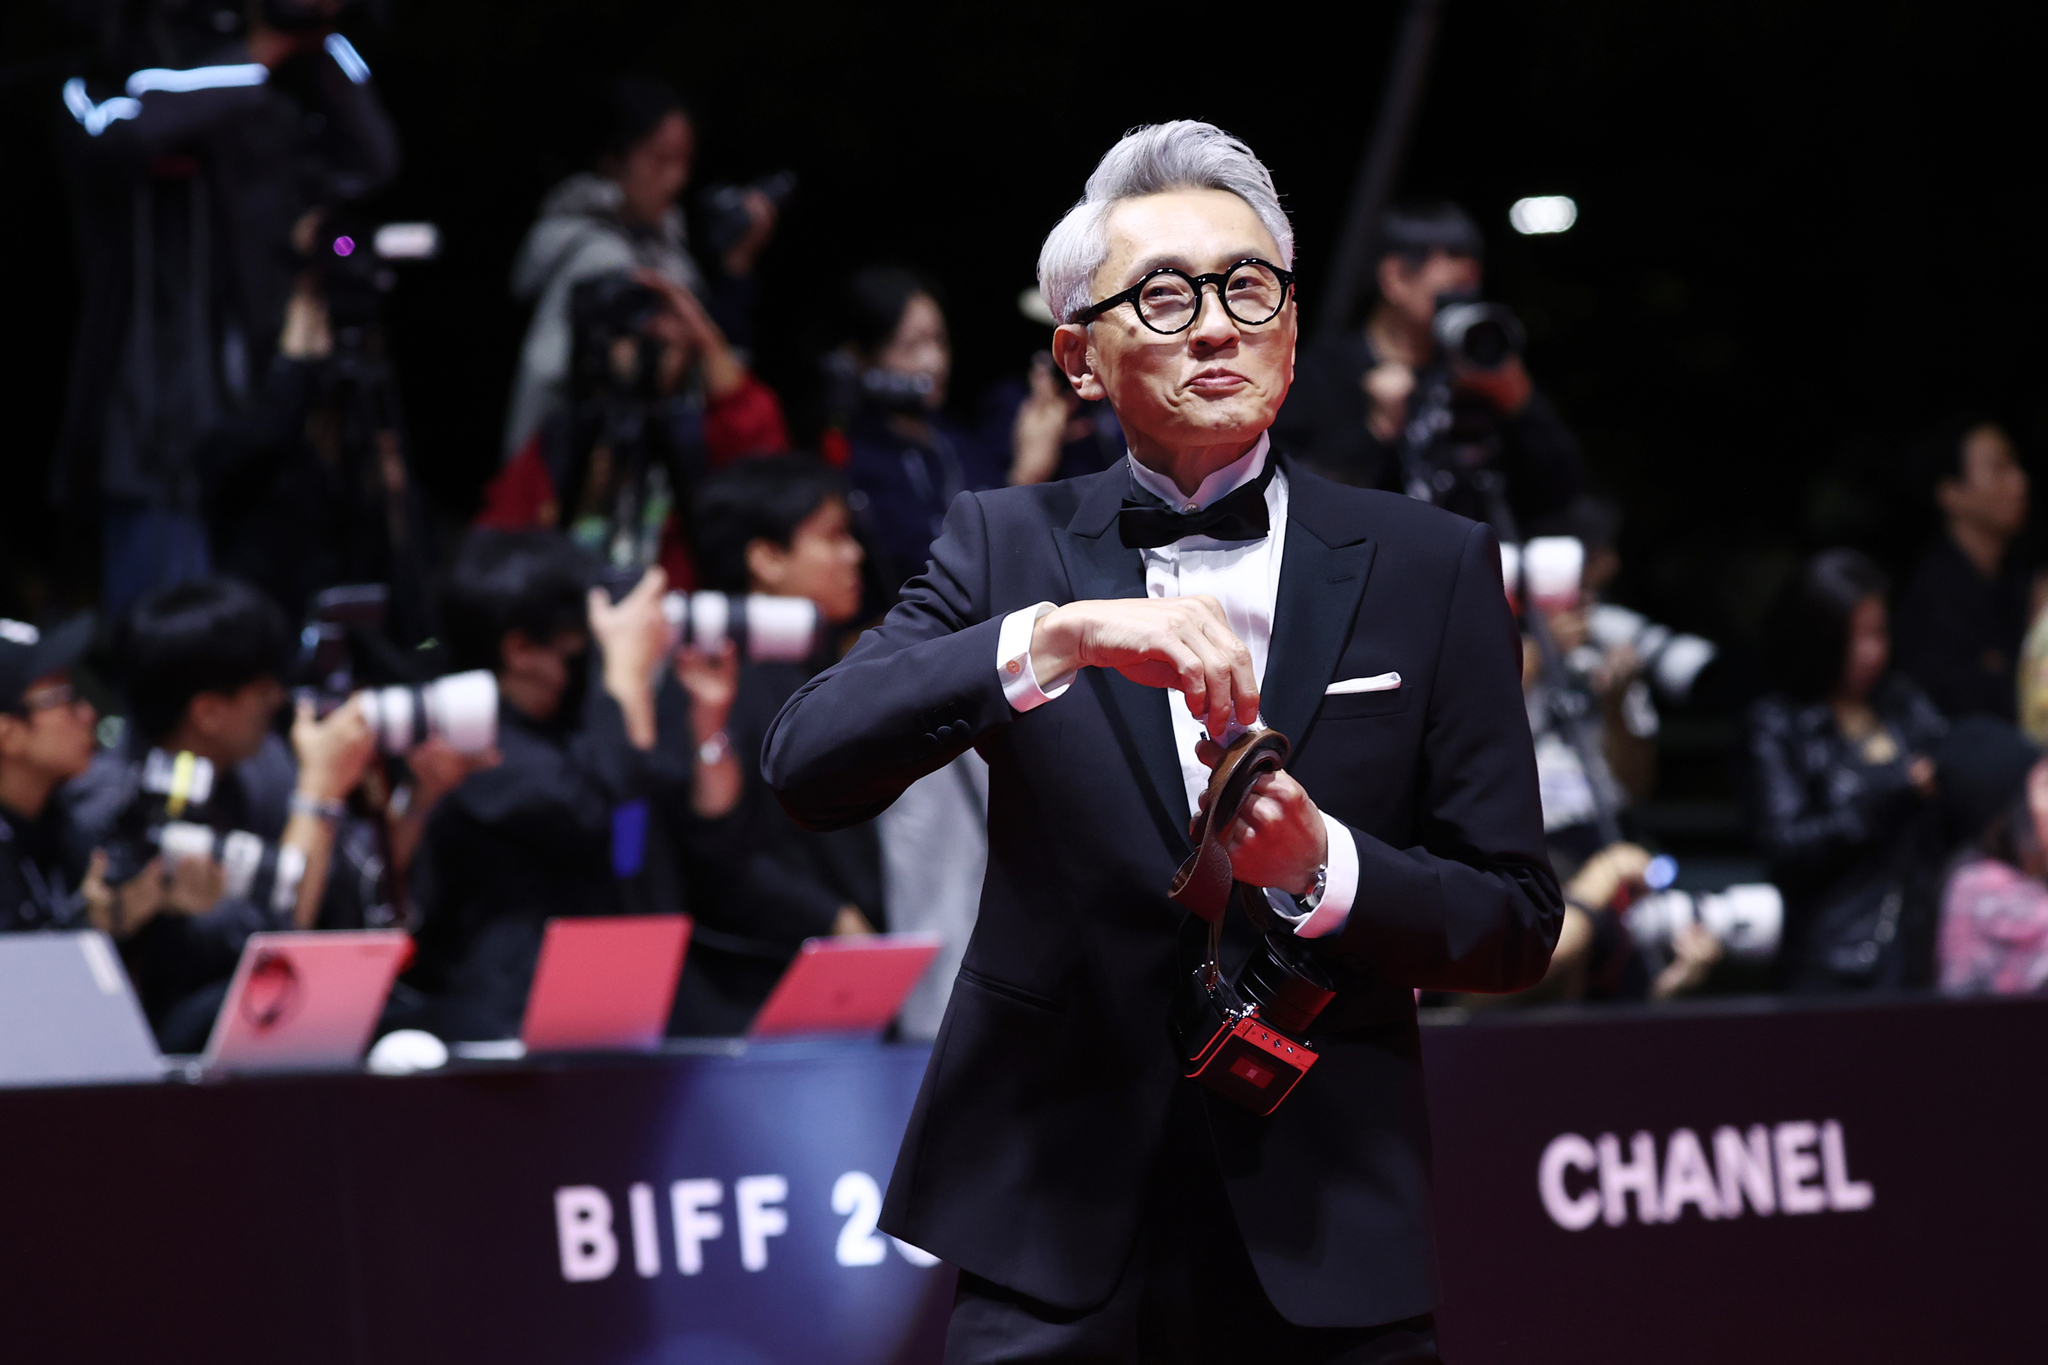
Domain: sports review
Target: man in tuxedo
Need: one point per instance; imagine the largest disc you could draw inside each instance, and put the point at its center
(1095, 639)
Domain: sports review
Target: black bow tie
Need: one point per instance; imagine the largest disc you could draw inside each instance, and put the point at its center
(1238, 515)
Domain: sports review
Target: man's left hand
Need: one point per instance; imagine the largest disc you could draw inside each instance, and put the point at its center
(1278, 839)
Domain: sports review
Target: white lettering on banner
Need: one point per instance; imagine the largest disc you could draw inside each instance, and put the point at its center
(646, 1237)
(583, 1227)
(690, 1205)
(856, 1195)
(755, 1196)
(1797, 1167)
(589, 1240)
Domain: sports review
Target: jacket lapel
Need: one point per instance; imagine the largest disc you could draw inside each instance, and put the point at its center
(1100, 566)
(1322, 577)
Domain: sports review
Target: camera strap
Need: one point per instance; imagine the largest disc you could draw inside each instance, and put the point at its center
(1204, 883)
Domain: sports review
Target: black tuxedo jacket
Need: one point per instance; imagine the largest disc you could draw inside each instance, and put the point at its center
(1045, 1102)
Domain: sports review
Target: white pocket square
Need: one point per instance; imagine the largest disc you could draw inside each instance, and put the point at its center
(1378, 682)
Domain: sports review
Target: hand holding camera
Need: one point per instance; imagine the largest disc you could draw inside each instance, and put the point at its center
(634, 636)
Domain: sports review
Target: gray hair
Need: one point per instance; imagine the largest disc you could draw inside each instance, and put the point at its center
(1155, 159)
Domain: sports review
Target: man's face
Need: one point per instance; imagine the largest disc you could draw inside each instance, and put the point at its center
(1992, 493)
(822, 562)
(1215, 383)
(536, 673)
(53, 735)
(233, 724)
(656, 168)
(1412, 288)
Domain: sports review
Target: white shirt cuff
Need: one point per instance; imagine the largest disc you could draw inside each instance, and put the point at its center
(1020, 679)
(1340, 888)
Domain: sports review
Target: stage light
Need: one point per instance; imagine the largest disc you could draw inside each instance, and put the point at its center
(1543, 213)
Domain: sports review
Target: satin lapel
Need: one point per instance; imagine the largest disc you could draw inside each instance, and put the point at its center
(1100, 566)
(1320, 586)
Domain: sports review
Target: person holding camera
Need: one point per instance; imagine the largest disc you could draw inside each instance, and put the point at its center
(46, 740)
(590, 732)
(204, 663)
(622, 216)
(760, 884)
(198, 142)
(1842, 782)
(1358, 393)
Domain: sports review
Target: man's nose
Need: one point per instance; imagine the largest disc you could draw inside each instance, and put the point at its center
(1213, 326)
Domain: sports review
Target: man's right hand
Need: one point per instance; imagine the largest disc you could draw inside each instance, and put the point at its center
(1182, 643)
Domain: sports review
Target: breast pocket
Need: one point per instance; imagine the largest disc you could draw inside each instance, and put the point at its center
(1364, 705)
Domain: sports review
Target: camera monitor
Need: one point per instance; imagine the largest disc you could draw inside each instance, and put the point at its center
(845, 985)
(304, 1000)
(68, 1015)
(605, 982)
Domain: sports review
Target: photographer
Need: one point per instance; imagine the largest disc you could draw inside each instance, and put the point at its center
(612, 465)
(204, 664)
(186, 193)
(1357, 392)
(586, 729)
(621, 216)
(46, 740)
(1842, 782)
(763, 884)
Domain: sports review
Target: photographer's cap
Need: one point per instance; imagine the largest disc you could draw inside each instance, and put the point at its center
(27, 653)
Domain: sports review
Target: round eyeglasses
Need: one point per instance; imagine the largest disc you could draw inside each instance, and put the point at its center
(1169, 300)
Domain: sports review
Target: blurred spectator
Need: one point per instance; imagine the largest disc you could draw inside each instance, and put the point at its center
(1841, 783)
(612, 466)
(46, 739)
(1090, 439)
(907, 459)
(763, 884)
(204, 661)
(186, 192)
(2033, 679)
(1994, 910)
(582, 715)
(1966, 609)
(1355, 391)
(621, 216)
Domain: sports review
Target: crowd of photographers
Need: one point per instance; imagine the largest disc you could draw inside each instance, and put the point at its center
(583, 675)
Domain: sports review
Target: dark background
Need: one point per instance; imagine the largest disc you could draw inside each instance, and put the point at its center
(1807, 231)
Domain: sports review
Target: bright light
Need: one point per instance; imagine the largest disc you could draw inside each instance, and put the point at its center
(344, 246)
(1544, 213)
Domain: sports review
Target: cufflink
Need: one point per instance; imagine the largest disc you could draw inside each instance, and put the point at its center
(1014, 667)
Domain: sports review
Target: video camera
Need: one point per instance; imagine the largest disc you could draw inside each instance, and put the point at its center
(722, 209)
(355, 262)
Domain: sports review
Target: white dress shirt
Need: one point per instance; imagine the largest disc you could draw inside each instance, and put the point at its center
(1243, 575)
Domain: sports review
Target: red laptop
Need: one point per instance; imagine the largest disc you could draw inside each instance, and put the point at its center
(305, 999)
(605, 982)
(845, 985)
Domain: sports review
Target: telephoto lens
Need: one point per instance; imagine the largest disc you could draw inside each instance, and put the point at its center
(766, 630)
(266, 873)
(1748, 919)
(461, 710)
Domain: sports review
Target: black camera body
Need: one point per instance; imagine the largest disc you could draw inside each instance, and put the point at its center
(722, 209)
(1477, 335)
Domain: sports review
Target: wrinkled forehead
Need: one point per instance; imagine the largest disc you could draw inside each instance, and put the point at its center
(1193, 230)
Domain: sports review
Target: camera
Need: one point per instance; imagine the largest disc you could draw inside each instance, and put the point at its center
(355, 262)
(254, 869)
(763, 629)
(723, 208)
(1748, 920)
(169, 788)
(1477, 335)
(460, 709)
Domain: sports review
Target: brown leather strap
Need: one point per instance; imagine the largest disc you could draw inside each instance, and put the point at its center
(1204, 882)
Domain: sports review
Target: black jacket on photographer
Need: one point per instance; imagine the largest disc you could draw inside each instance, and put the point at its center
(1324, 422)
(544, 833)
(1852, 845)
(760, 884)
(181, 963)
(185, 202)
(42, 865)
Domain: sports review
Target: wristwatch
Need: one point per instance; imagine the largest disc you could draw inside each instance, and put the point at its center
(1314, 898)
(715, 749)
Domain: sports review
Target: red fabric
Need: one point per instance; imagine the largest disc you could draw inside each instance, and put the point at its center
(522, 496)
(833, 445)
(747, 421)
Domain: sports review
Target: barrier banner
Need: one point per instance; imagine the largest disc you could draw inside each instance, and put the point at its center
(1742, 1182)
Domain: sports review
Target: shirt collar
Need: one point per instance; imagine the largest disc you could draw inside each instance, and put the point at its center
(1232, 476)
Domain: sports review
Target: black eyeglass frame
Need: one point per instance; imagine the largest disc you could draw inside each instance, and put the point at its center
(1195, 282)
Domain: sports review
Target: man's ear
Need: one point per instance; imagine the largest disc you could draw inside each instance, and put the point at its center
(1076, 359)
(767, 564)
